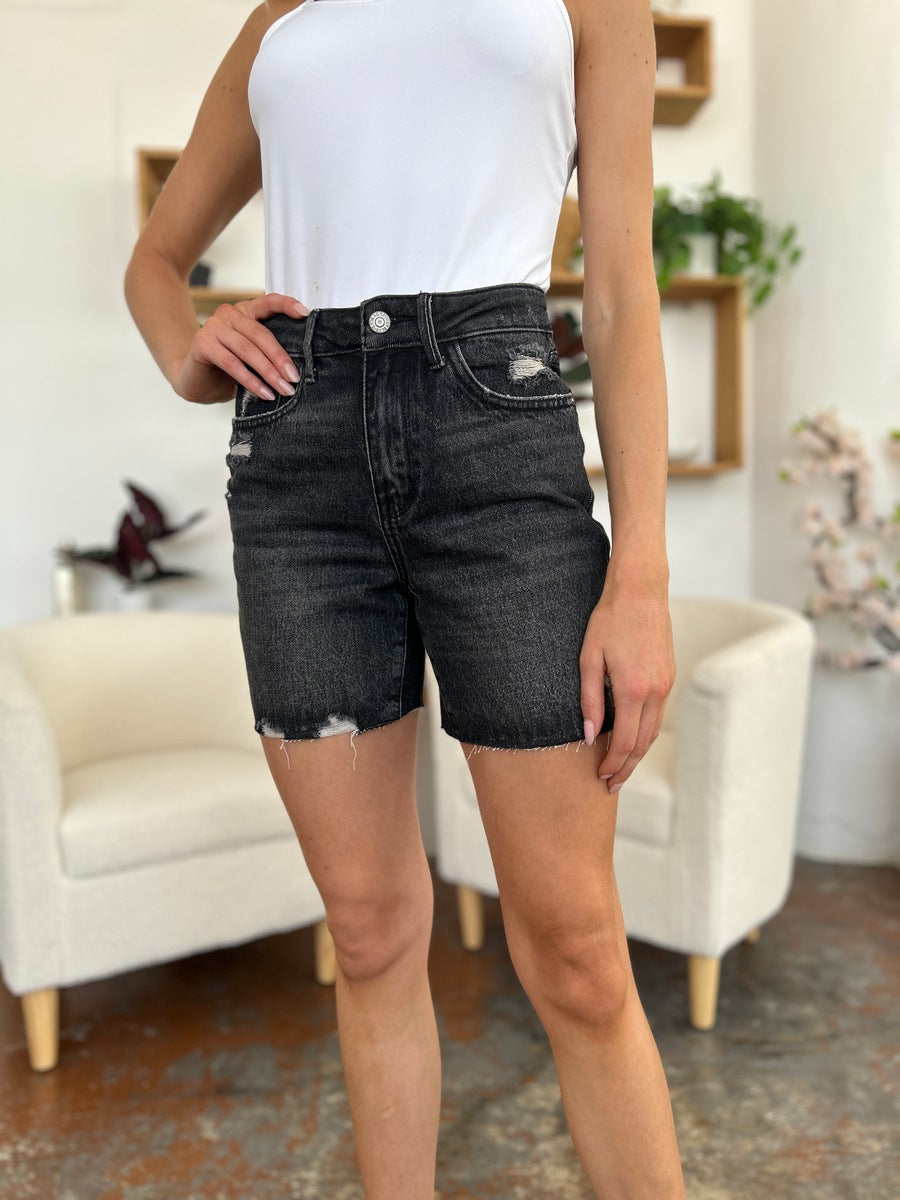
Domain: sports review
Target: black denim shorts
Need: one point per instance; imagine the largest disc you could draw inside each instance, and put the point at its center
(423, 489)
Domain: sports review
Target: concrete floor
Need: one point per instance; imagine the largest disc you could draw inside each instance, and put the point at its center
(218, 1076)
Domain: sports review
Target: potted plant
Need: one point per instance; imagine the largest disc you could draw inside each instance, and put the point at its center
(745, 242)
(130, 558)
(676, 226)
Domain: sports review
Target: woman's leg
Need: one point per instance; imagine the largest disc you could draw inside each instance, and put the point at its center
(550, 824)
(359, 832)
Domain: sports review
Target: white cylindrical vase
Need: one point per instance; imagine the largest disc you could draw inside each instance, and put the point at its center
(704, 254)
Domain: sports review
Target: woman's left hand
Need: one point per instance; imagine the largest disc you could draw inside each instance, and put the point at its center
(628, 638)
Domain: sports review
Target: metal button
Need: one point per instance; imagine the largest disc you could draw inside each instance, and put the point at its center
(379, 322)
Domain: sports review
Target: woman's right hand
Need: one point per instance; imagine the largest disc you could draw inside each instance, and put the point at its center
(233, 347)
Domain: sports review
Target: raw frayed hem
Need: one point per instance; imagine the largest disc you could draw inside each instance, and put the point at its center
(476, 748)
(335, 723)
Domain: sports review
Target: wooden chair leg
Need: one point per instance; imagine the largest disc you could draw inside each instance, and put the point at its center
(471, 917)
(40, 1012)
(753, 936)
(703, 989)
(326, 966)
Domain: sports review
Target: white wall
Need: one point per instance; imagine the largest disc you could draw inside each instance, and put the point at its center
(828, 155)
(82, 84)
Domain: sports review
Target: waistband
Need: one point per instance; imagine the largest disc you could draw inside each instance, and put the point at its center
(411, 318)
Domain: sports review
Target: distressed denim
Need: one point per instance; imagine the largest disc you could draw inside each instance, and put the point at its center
(422, 489)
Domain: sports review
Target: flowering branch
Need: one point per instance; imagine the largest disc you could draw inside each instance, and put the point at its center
(870, 604)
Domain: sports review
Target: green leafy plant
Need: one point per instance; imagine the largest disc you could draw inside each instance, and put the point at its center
(673, 221)
(746, 243)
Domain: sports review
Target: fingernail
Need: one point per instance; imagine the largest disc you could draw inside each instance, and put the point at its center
(615, 787)
(267, 393)
(607, 776)
(286, 389)
(292, 373)
(299, 309)
(589, 732)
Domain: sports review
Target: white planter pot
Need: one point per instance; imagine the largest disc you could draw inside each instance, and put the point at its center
(135, 599)
(850, 793)
(704, 254)
(65, 590)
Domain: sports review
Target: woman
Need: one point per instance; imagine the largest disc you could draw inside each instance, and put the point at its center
(407, 474)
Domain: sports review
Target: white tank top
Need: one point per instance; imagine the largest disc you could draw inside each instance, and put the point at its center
(412, 145)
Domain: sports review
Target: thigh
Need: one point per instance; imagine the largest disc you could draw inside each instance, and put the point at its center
(550, 824)
(352, 802)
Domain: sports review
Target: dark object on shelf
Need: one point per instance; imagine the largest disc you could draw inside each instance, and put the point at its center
(200, 276)
(573, 360)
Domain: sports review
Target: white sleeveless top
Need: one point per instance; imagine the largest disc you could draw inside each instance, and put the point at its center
(412, 145)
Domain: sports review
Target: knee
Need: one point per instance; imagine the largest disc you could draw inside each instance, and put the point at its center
(576, 970)
(372, 935)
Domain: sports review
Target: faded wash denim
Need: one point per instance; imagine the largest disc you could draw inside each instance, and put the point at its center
(423, 488)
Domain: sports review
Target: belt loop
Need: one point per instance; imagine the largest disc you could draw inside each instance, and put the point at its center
(308, 364)
(426, 329)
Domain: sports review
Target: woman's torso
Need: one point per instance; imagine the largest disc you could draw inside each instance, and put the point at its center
(412, 145)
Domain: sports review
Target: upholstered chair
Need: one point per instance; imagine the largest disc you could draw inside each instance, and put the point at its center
(139, 822)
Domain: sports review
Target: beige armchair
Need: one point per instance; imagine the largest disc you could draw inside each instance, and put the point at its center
(704, 845)
(138, 819)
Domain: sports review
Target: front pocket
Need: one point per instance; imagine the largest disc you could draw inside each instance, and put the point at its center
(251, 410)
(511, 368)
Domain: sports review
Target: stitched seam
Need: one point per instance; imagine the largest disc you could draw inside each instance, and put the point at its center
(403, 664)
(432, 336)
(469, 333)
(267, 418)
(308, 354)
(515, 401)
(450, 337)
(372, 473)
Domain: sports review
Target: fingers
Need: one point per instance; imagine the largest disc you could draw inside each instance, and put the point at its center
(259, 349)
(636, 727)
(640, 664)
(593, 705)
(273, 302)
(234, 340)
(622, 739)
(234, 366)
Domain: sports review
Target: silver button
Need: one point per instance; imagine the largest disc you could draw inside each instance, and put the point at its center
(379, 322)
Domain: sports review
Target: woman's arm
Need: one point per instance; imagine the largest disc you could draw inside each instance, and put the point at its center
(215, 176)
(629, 635)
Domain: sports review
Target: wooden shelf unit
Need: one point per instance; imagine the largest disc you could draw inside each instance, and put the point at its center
(728, 294)
(154, 167)
(682, 469)
(207, 299)
(690, 40)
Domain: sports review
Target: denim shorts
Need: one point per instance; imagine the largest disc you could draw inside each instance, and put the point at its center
(423, 490)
